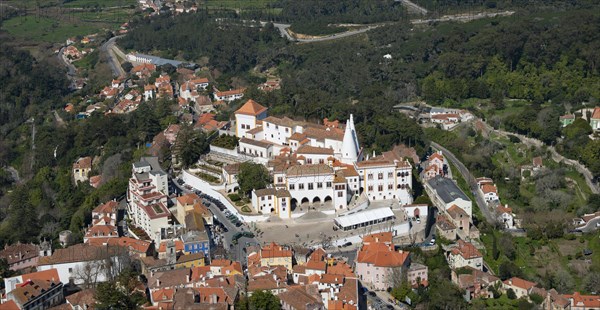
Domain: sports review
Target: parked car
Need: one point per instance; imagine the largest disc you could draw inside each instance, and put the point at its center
(432, 242)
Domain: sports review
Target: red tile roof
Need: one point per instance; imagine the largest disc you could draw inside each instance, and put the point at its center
(466, 249)
(520, 283)
(381, 255)
(83, 163)
(162, 248)
(251, 107)
(274, 250)
(109, 207)
(587, 301)
(489, 188)
(383, 237)
(46, 275)
(596, 114)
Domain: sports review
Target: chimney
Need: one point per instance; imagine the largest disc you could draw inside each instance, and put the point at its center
(187, 278)
(158, 282)
(213, 298)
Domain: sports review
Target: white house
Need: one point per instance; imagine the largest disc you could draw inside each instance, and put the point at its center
(272, 201)
(386, 177)
(83, 263)
(464, 254)
(229, 95)
(147, 197)
(505, 216)
(444, 193)
(310, 184)
(247, 117)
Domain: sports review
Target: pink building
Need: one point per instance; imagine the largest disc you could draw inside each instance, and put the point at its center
(377, 261)
(20, 255)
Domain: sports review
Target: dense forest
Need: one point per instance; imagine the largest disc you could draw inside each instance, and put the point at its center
(227, 46)
(28, 87)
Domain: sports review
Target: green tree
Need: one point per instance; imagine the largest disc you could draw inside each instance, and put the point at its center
(252, 176)
(190, 144)
(400, 292)
(263, 300)
(120, 294)
(511, 294)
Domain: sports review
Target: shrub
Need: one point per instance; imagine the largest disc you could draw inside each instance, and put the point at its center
(511, 294)
(235, 197)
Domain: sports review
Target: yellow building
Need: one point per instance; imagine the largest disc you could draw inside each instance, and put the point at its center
(192, 203)
(190, 260)
(275, 255)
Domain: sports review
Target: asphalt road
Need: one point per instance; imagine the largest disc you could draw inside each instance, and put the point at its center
(71, 70)
(236, 251)
(466, 174)
(113, 62)
(591, 225)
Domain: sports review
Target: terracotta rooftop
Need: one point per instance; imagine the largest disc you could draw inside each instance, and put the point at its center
(230, 92)
(251, 107)
(383, 237)
(307, 149)
(18, 252)
(128, 242)
(381, 255)
(443, 223)
(188, 199)
(584, 301)
(309, 170)
(489, 188)
(83, 163)
(274, 250)
(302, 297)
(520, 283)
(79, 253)
(84, 299)
(466, 249)
(45, 275)
(162, 248)
(456, 212)
(284, 121)
(596, 114)
(31, 289)
(205, 118)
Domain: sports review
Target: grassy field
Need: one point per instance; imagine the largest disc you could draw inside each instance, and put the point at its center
(55, 24)
(45, 29)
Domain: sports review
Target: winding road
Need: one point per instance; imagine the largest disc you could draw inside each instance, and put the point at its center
(71, 70)
(587, 174)
(466, 174)
(108, 49)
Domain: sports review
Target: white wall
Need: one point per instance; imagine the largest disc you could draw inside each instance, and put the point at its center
(223, 150)
(247, 121)
(299, 194)
(206, 188)
(65, 275)
(276, 134)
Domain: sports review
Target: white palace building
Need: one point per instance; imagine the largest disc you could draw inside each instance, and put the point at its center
(316, 165)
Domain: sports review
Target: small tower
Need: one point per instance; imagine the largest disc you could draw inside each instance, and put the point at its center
(350, 143)
(45, 248)
(171, 252)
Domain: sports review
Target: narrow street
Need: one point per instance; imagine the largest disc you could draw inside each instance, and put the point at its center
(466, 174)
